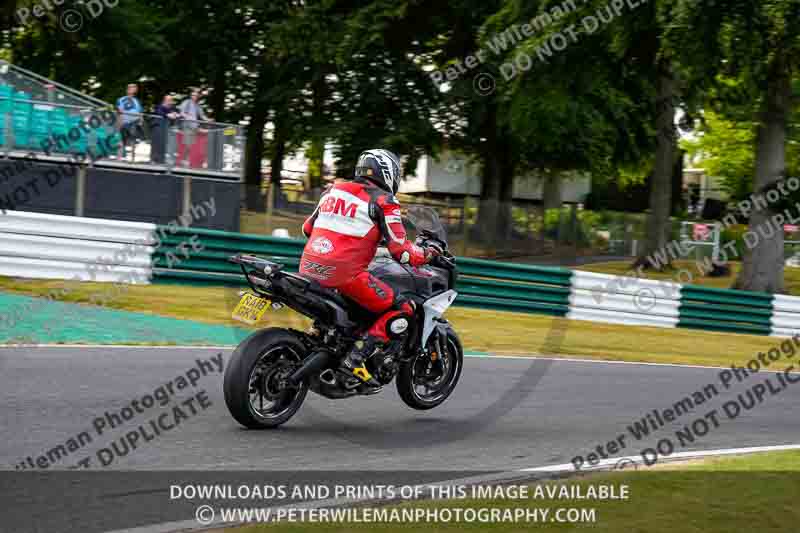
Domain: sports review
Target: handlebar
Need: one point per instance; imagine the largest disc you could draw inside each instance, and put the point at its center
(446, 261)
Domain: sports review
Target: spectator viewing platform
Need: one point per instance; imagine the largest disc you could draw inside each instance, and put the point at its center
(45, 121)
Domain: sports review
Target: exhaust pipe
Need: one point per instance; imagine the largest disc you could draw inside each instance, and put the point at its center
(313, 364)
(328, 377)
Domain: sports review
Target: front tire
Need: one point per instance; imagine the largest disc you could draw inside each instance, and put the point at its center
(420, 391)
(254, 370)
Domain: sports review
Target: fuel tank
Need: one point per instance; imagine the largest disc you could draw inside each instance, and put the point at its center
(424, 281)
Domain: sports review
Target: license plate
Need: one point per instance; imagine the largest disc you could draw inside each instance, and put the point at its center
(250, 309)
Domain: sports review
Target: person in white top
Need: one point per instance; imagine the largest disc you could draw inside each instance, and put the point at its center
(190, 109)
(191, 113)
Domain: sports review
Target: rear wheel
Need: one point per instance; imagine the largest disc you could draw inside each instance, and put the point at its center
(252, 382)
(427, 381)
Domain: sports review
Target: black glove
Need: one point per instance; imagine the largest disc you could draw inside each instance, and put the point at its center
(433, 250)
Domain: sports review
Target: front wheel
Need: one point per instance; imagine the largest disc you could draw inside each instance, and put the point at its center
(252, 382)
(427, 381)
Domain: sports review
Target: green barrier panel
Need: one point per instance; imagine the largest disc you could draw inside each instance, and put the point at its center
(726, 310)
(726, 296)
(715, 315)
(499, 304)
(234, 239)
(512, 271)
(501, 273)
(513, 291)
(233, 247)
(754, 312)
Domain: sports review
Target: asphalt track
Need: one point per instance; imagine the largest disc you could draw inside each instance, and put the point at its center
(51, 394)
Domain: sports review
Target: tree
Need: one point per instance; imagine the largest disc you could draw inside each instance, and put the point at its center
(381, 94)
(582, 107)
(639, 36)
(476, 123)
(726, 151)
(754, 44)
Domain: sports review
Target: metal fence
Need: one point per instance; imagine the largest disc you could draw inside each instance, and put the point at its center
(32, 126)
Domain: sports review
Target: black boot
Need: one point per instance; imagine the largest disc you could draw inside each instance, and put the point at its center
(354, 368)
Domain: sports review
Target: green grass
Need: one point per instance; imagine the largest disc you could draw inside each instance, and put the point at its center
(480, 330)
(261, 224)
(791, 275)
(788, 461)
(746, 493)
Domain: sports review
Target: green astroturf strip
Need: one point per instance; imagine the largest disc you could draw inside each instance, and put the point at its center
(37, 320)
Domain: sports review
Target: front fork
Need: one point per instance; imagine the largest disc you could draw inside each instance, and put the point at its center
(437, 355)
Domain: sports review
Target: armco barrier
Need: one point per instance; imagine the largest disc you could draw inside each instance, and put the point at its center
(36, 245)
(482, 284)
(621, 300)
(785, 320)
(522, 288)
(726, 310)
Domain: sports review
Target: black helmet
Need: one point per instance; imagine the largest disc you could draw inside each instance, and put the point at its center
(380, 166)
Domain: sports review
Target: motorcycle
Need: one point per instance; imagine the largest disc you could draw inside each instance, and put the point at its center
(271, 371)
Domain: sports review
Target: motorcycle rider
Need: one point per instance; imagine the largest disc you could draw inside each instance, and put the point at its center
(351, 220)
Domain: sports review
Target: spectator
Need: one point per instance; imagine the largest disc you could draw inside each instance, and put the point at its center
(190, 109)
(130, 114)
(192, 114)
(167, 114)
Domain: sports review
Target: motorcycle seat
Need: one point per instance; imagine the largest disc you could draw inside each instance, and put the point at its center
(314, 287)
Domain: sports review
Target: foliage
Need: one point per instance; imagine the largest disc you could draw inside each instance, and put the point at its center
(725, 150)
(354, 75)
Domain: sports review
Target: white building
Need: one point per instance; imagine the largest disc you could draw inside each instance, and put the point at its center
(453, 174)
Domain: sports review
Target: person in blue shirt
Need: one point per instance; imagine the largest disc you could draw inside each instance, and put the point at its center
(166, 115)
(130, 116)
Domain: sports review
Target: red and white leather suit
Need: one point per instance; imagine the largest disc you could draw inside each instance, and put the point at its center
(350, 221)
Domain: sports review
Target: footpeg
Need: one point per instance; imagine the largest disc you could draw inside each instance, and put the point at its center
(368, 390)
(348, 381)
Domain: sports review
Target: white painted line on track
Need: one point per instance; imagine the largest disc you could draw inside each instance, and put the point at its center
(577, 359)
(632, 461)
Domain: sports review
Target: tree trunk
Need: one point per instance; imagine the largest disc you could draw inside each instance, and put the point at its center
(489, 206)
(658, 222)
(762, 266)
(316, 152)
(219, 88)
(315, 155)
(254, 152)
(677, 183)
(497, 183)
(551, 191)
(277, 155)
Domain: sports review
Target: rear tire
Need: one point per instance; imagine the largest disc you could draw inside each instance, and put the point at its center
(254, 368)
(408, 377)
